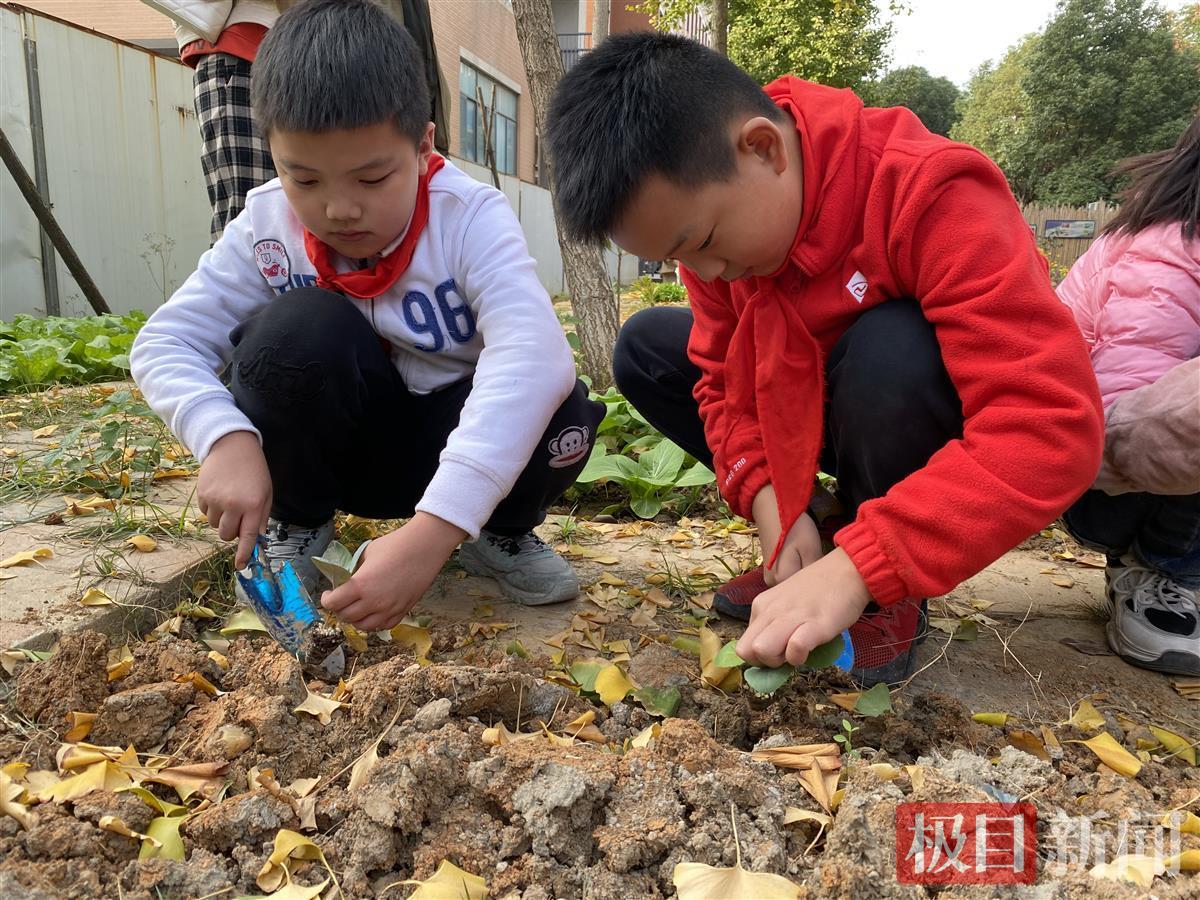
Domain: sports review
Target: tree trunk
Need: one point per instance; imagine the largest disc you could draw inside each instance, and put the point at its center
(601, 17)
(720, 26)
(583, 265)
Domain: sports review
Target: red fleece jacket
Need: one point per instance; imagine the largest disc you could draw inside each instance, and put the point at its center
(891, 210)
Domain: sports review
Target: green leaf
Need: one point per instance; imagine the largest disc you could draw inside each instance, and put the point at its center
(765, 682)
(823, 657)
(164, 829)
(335, 564)
(660, 465)
(585, 671)
(620, 469)
(875, 702)
(645, 506)
(687, 645)
(516, 648)
(664, 702)
(727, 657)
(697, 475)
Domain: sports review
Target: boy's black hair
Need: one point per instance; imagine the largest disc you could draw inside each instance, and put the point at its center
(332, 64)
(643, 103)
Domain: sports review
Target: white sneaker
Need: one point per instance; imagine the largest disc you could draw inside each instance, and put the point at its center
(1155, 622)
(528, 570)
(291, 543)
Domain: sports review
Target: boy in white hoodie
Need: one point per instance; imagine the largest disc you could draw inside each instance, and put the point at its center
(390, 350)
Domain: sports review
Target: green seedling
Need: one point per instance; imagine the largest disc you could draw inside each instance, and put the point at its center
(650, 478)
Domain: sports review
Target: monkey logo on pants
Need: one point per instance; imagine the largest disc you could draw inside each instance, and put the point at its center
(569, 447)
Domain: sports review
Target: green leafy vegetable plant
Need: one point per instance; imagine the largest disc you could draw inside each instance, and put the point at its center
(651, 477)
(57, 349)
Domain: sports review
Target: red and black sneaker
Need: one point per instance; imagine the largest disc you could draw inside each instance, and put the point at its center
(885, 640)
(735, 596)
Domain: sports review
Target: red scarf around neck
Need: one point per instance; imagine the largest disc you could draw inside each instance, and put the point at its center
(375, 280)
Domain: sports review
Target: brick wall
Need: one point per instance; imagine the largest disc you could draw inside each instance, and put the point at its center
(487, 30)
(129, 20)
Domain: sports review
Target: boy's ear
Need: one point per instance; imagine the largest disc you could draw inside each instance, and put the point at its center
(765, 140)
(425, 150)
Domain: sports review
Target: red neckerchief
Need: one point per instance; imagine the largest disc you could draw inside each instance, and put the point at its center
(375, 280)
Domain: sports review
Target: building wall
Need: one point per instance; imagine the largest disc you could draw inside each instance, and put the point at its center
(623, 19)
(129, 20)
(485, 32)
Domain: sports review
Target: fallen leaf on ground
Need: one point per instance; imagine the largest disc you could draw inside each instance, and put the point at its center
(1186, 822)
(1187, 861)
(845, 701)
(1063, 581)
(117, 826)
(243, 621)
(449, 882)
(646, 737)
(198, 778)
(793, 814)
(164, 807)
(290, 847)
(884, 771)
(722, 677)
(415, 637)
(1086, 717)
(142, 543)
(94, 596)
(1112, 754)
(120, 663)
(1028, 742)
(27, 557)
(997, 719)
(1132, 867)
(361, 770)
(199, 682)
(320, 706)
(81, 726)
(697, 881)
(664, 702)
(99, 776)
(1175, 744)
(219, 659)
(613, 685)
(1087, 648)
(875, 702)
(44, 432)
(10, 805)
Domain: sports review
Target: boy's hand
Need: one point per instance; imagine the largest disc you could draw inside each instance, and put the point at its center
(813, 606)
(234, 491)
(396, 571)
(801, 547)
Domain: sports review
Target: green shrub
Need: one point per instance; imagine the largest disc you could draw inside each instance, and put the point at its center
(57, 349)
(670, 292)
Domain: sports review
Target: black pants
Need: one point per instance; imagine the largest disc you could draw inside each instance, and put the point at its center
(890, 404)
(1161, 532)
(342, 432)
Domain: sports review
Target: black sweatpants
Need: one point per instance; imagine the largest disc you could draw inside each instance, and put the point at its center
(342, 432)
(890, 404)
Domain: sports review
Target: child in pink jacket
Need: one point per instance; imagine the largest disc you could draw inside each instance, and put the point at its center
(1136, 297)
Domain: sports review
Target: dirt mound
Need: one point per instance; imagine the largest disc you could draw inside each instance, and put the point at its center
(538, 819)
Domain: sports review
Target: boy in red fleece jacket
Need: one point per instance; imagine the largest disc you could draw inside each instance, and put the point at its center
(866, 299)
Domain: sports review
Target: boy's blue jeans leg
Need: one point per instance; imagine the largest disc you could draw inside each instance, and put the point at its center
(341, 431)
(1161, 532)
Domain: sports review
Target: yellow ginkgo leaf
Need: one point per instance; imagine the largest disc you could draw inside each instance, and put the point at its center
(94, 596)
(1112, 754)
(142, 543)
(10, 793)
(416, 637)
(710, 645)
(118, 826)
(29, 556)
(219, 659)
(1132, 867)
(1186, 822)
(1086, 717)
(794, 814)
(120, 663)
(164, 807)
(612, 685)
(1187, 861)
(362, 768)
(697, 881)
(243, 621)
(646, 736)
(321, 707)
(1176, 744)
(990, 718)
(290, 846)
(198, 778)
(449, 882)
(100, 776)
(293, 891)
(884, 771)
(164, 830)
(81, 726)
(199, 682)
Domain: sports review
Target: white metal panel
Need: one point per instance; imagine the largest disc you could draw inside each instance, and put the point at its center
(20, 251)
(123, 164)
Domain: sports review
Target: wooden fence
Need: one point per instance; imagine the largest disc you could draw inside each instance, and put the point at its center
(1065, 232)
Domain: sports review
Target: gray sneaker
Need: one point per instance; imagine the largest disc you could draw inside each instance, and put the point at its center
(528, 570)
(291, 543)
(1155, 622)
